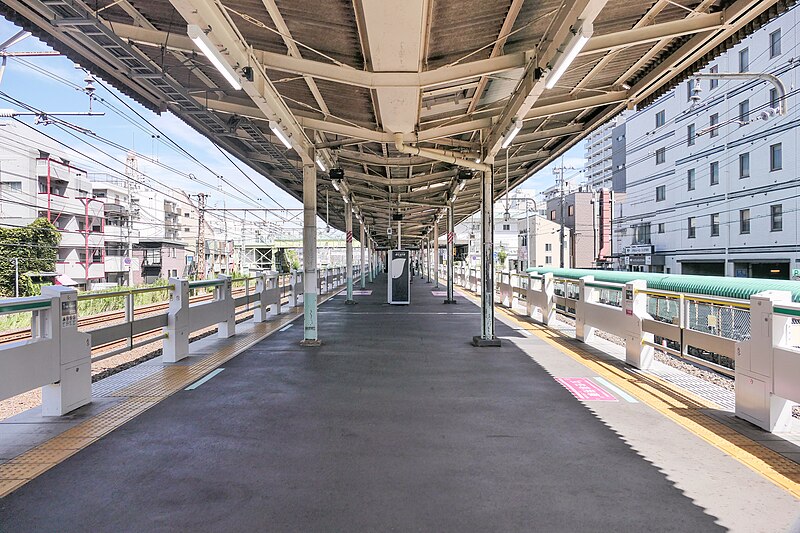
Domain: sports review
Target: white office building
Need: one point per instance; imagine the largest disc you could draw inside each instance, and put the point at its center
(712, 177)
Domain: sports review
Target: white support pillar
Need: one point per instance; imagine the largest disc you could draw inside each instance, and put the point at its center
(176, 343)
(451, 237)
(766, 366)
(634, 303)
(224, 293)
(310, 337)
(348, 252)
(487, 337)
(436, 255)
(260, 311)
(73, 351)
(363, 270)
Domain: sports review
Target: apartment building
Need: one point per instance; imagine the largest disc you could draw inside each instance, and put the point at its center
(545, 247)
(711, 169)
(37, 179)
(586, 213)
(120, 235)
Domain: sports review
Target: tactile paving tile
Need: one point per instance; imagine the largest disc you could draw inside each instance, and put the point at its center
(7, 486)
(20, 470)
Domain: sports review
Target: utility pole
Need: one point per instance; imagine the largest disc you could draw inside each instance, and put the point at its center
(560, 172)
(201, 235)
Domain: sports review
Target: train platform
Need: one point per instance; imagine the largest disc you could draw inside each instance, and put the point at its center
(397, 423)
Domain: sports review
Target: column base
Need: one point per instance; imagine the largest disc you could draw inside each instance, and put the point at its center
(450, 302)
(350, 302)
(310, 343)
(480, 342)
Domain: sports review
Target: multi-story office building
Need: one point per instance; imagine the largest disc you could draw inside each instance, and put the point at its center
(711, 169)
(38, 180)
(600, 167)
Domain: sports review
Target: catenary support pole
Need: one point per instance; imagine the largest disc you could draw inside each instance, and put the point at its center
(310, 253)
(487, 338)
(348, 251)
(451, 237)
(428, 256)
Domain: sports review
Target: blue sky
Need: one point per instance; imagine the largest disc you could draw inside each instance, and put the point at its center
(55, 84)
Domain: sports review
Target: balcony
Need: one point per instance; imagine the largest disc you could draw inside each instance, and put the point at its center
(60, 204)
(77, 271)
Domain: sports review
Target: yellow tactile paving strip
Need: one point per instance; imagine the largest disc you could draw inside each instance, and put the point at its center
(678, 405)
(134, 400)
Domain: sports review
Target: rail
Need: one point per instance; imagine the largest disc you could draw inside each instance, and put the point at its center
(756, 341)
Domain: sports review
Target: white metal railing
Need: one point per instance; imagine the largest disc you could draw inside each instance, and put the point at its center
(757, 341)
(58, 357)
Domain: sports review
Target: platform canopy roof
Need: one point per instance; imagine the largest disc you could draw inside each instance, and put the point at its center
(399, 94)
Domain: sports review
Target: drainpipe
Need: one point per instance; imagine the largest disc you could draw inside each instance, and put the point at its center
(447, 156)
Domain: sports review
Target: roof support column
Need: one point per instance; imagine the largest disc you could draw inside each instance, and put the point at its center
(363, 264)
(310, 252)
(451, 237)
(428, 256)
(487, 338)
(348, 251)
(436, 255)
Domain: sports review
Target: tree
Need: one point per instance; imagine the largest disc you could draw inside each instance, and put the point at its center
(35, 247)
(501, 256)
(293, 259)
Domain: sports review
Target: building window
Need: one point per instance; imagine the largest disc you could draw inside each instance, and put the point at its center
(506, 227)
(641, 234)
(661, 193)
(661, 227)
(660, 119)
(744, 165)
(571, 210)
(548, 247)
(11, 185)
(553, 214)
(548, 259)
(773, 98)
(714, 70)
(775, 157)
(689, 87)
(744, 221)
(690, 133)
(715, 225)
(744, 60)
(775, 43)
(744, 111)
(690, 179)
(661, 155)
(713, 171)
(713, 120)
(692, 228)
(776, 217)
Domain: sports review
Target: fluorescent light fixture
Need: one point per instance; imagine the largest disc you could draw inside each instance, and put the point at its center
(279, 134)
(335, 184)
(515, 127)
(462, 184)
(321, 165)
(346, 199)
(478, 160)
(200, 39)
(452, 198)
(571, 51)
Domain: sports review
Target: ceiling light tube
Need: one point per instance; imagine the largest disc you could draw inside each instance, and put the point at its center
(515, 127)
(571, 51)
(201, 40)
(321, 165)
(346, 199)
(462, 184)
(279, 134)
(335, 184)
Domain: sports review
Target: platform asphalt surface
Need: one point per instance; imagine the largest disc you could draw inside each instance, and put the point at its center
(395, 424)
